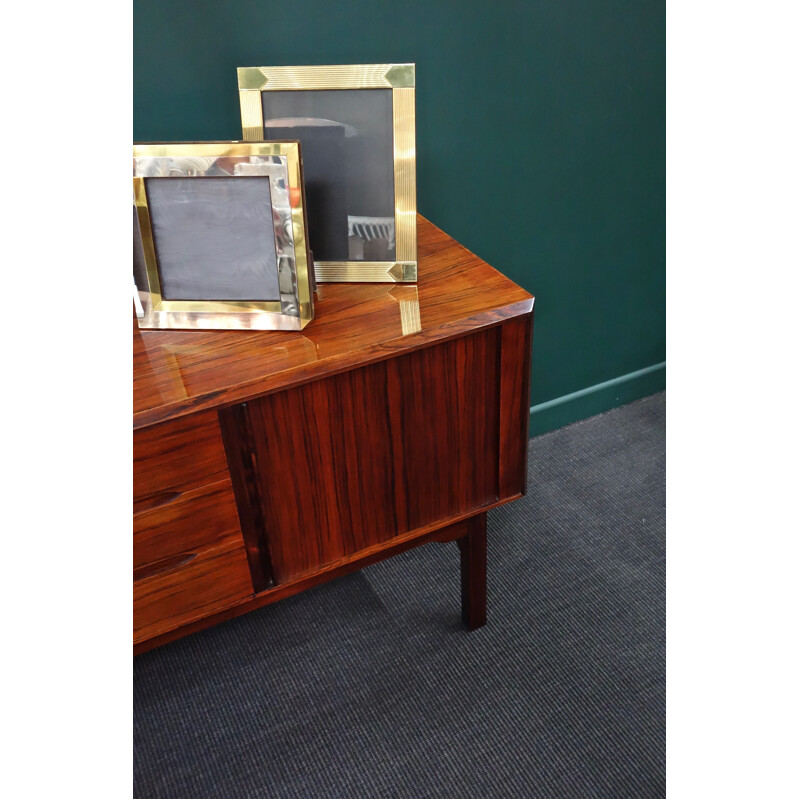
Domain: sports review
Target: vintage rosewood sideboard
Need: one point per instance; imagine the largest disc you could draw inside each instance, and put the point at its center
(268, 462)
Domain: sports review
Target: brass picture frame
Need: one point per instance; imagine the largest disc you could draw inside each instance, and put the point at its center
(400, 79)
(290, 281)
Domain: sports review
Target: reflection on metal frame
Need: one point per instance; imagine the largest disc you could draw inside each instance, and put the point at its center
(278, 161)
(400, 78)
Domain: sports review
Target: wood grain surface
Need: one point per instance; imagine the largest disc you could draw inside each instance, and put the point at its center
(189, 560)
(347, 462)
(213, 580)
(177, 372)
(515, 382)
(176, 456)
(198, 519)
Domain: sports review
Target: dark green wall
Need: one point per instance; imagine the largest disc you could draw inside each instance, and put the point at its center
(540, 146)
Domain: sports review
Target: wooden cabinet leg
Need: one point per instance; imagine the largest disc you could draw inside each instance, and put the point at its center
(473, 573)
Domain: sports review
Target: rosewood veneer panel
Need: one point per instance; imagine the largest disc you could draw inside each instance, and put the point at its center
(198, 519)
(446, 416)
(359, 458)
(171, 458)
(205, 584)
(515, 382)
(189, 560)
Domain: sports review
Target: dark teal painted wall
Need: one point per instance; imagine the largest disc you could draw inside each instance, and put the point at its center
(540, 146)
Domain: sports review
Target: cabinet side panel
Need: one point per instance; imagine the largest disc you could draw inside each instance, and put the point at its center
(359, 458)
(515, 368)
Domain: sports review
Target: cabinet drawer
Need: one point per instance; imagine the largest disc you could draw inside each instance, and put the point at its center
(197, 520)
(176, 456)
(207, 582)
(189, 560)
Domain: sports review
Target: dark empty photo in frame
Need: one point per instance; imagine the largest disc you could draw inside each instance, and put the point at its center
(214, 238)
(348, 166)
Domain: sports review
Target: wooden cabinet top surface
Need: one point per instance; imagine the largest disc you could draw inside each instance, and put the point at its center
(177, 372)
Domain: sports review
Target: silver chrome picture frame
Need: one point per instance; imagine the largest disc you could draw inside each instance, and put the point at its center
(221, 236)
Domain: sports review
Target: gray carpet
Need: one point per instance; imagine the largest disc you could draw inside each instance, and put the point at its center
(369, 687)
